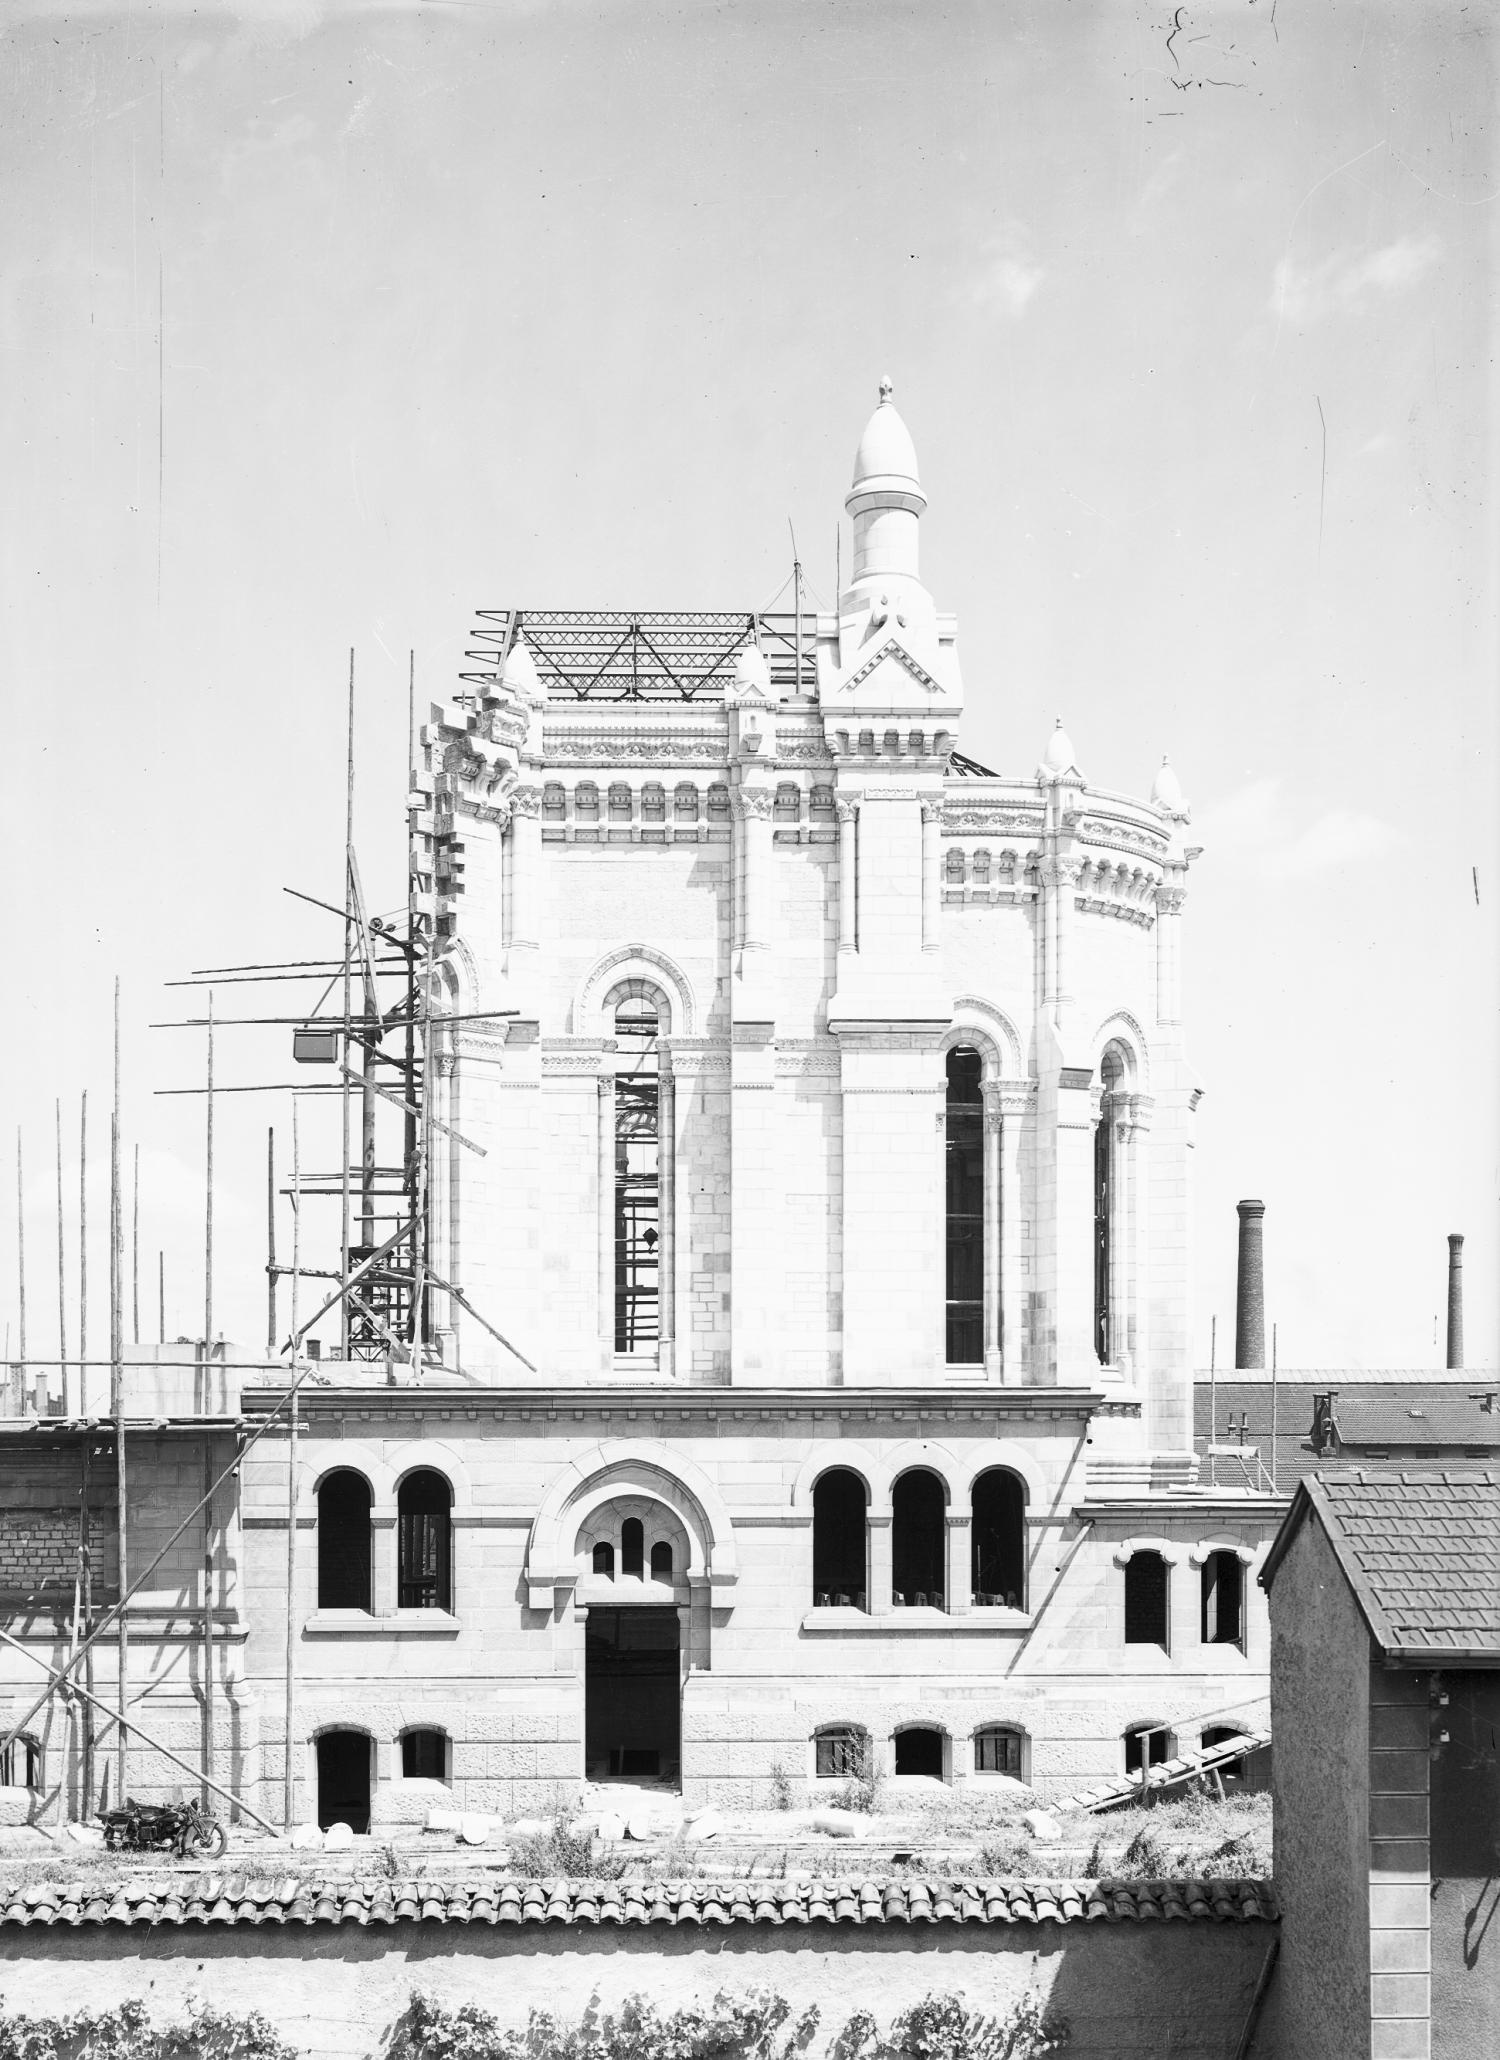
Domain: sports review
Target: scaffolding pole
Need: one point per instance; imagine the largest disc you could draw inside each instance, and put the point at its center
(21, 1236)
(271, 1238)
(62, 1284)
(288, 1788)
(83, 1253)
(117, 1396)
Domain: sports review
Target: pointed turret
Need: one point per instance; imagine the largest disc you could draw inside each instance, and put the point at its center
(885, 499)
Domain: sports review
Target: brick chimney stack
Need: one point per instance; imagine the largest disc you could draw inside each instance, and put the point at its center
(1455, 1300)
(1250, 1290)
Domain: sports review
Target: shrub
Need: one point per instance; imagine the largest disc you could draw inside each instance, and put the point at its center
(781, 1788)
(1146, 1858)
(560, 1853)
(944, 2028)
(750, 2027)
(1006, 1856)
(858, 1792)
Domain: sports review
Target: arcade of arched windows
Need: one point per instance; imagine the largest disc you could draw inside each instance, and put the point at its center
(596, 809)
(924, 1554)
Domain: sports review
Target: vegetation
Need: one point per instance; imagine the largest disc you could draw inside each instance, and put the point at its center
(126, 2033)
(755, 2027)
(561, 1854)
(781, 1788)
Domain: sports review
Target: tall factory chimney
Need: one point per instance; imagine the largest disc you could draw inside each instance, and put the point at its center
(1455, 1300)
(1250, 1290)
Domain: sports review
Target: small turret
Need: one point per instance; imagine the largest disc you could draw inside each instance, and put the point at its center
(885, 499)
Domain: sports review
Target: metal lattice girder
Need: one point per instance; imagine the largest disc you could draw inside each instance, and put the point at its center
(621, 655)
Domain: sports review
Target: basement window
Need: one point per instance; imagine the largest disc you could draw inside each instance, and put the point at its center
(842, 1753)
(997, 1750)
(1149, 1744)
(424, 1756)
(21, 1763)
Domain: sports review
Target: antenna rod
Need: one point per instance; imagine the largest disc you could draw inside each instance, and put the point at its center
(161, 1297)
(135, 1256)
(1213, 1394)
(1273, 1409)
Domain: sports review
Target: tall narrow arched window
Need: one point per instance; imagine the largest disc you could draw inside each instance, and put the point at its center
(1147, 1612)
(1223, 1598)
(1106, 1258)
(344, 1541)
(963, 1131)
(638, 1225)
(839, 1539)
(998, 1535)
(424, 1578)
(632, 1546)
(919, 1540)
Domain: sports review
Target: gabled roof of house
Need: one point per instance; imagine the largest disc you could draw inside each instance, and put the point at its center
(1420, 1547)
(1453, 1419)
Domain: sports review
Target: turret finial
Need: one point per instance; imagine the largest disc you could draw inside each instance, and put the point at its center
(886, 388)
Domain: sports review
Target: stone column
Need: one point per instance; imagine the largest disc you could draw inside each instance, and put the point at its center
(848, 815)
(753, 805)
(879, 1597)
(1137, 1242)
(1016, 1103)
(1455, 1301)
(1250, 1299)
(526, 868)
(994, 1213)
(960, 1567)
(1169, 901)
(383, 1569)
(932, 817)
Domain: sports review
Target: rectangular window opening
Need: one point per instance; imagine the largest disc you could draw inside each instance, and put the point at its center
(637, 1182)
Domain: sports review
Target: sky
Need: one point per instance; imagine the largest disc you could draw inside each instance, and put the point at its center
(323, 326)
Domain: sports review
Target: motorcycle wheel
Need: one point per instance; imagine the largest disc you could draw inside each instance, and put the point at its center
(207, 1842)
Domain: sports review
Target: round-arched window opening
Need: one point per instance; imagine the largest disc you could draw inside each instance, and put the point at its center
(661, 1561)
(604, 1559)
(632, 1547)
(998, 1540)
(424, 1554)
(919, 1540)
(838, 1567)
(344, 1541)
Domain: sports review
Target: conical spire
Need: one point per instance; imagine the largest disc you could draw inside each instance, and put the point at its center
(885, 500)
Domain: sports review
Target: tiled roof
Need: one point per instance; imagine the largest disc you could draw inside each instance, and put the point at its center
(237, 1899)
(1421, 1549)
(1367, 1413)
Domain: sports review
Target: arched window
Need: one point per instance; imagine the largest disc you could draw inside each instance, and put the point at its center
(661, 1561)
(637, 1177)
(841, 1752)
(999, 1539)
(21, 1763)
(963, 1153)
(1223, 1615)
(1146, 1600)
(997, 1750)
(1149, 1744)
(919, 1540)
(344, 1541)
(632, 1546)
(424, 1578)
(604, 1559)
(424, 1755)
(1106, 1343)
(839, 1539)
(919, 1750)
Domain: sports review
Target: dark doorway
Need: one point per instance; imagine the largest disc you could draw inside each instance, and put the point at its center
(920, 1752)
(344, 1780)
(632, 1694)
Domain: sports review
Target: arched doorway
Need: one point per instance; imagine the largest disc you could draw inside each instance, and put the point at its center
(344, 1779)
(632, 1694)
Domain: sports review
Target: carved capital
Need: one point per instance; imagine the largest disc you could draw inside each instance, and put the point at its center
(1169, 900)
(932, 809)
(847, 811)
(526, 801)
(752, 804)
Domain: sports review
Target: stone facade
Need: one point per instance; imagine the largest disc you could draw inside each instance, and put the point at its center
(812, 1107)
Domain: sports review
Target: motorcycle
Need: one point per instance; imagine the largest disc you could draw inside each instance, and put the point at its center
(184, 1828)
